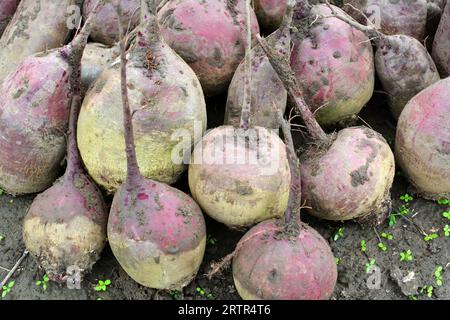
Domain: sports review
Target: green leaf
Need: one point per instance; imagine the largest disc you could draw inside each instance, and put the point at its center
(4, 293)
(11, 284)
(107, 282)
(97, 288)
(392, 220)
(45, 286)
(100, 282)
(38, 283)
(46, 279)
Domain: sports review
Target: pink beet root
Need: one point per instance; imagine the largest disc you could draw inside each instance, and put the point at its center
(106, 28)
(156, 232)
(36, 26)
(268, 93)
(333, 63)
(209, 35)
(284, 262)
(393, 17)
(270, 13)
(360, 188)
(34, 114)
(7, 9)
(441, 45)
(422, 145)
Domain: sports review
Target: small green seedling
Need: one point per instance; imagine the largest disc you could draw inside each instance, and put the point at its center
(406, 198)
(6, 289)
(429, 290)
(211, 240)
(403, 210)
(203, 293)
(387, 236)
(102, 285)
(338, 261)
(446, 230)
(174, 294)
(382, 246)
(363, 246)
(413, 298)
(369, 265)
(43, 282)
(445, 202)
(392, 220)
(430, 237)
(446, 214)
(406, 255)
(438, 275)
(2, 238)
(339, 234)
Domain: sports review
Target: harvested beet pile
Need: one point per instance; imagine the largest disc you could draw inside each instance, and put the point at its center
(105, 106)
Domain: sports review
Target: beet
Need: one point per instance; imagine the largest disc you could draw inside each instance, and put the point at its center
(270, 13)
(209, 35)
(393, 17)
(346, 175)
(441, 44)
(268, 93)
(333, 64)
(65, 227)
(96, 58)
(285, 259)
(106, 29)
(402, 63)
(166, 98)
(240, 175)
(422, 144)
(277, 262)
(7, 9)
(34, 114)
(156, 232)
(36, 26)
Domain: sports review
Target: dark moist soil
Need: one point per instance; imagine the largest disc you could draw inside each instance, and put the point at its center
(352, 279)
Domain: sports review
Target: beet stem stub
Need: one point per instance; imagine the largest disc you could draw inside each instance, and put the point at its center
(132, 164)
(246, 108)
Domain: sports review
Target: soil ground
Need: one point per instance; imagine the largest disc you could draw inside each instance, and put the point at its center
(399, 279)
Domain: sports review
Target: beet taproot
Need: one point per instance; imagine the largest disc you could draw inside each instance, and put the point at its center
(347, 175)
(422, 143)
(156, 232)
(270, 13)
(106, 29)
(65, 226)
(240, 175)
(209, 35)
(333, 64)
(441, 44)
(168, 105)
(268, 93)
(7, 9)
(36, 26)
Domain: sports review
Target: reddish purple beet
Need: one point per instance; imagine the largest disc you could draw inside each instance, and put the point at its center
(156, 232)
(34, 115)
(209, 35)
(105, 29)
(422, 144)
(441, 45)
(65, 227)
(36, 26)
(7, 9)
(270, 13)
(268, 93)
(274, 261)
(333, 64)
